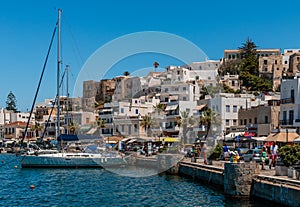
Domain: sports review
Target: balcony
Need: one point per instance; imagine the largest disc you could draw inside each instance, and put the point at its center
(287, 100)
(286, 122)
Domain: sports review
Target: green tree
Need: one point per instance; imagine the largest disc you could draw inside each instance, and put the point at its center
(146, 123)
(185, 122)
(36, 128)
(73, 127)
(126, 73)
(248, 49)
(290, 154)
(101, 123)
(155, 64)
(11, 102)
(208, 119)
(160, 108)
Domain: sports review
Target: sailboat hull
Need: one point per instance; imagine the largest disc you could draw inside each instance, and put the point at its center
(62, 160)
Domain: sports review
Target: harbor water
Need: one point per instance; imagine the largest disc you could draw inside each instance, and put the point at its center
(100, 187)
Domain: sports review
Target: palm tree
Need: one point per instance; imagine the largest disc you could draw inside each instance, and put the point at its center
(186, 122)
(72, 127)
(209, 118)
(160, 107)
(37, 127)
(126, 73)
(155, 64)
(101, 123)
(146, 123)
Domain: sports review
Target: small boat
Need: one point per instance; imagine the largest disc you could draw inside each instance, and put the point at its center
(60, 159)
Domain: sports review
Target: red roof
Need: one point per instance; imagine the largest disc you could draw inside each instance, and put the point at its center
(17, 123)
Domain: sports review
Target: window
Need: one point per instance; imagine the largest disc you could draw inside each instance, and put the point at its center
(275, 62)
(166, 89)
(284, 115)
(136, 111)
(245, 121)
(233, 83)
(285, 62)
(250, 121)
(135, 128)
(178, 72)
(184, 98)
(227, 122)
(266, 119)
(234, 122)
(129, 129)
(291, 116)
(184, 88)
(255, 120)
(135, 101)
(234, 108)
(241, 122)
(265, 62)
(122, 127)
(227, 108)
(122, 110)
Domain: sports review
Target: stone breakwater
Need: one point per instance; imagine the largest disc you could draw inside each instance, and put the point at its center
(244, 180)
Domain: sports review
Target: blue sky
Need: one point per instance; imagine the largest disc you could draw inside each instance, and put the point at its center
(26, 28)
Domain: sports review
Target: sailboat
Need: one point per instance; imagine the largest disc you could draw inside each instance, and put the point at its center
(61, 159)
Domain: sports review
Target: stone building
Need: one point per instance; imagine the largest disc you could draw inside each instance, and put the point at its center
(271, 67)
(235, 54)
(106, 90)
(232, 81)
(261, 119)
(294, 63)
(90, 89)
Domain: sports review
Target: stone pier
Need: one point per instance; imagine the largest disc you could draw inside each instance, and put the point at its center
(238, 178)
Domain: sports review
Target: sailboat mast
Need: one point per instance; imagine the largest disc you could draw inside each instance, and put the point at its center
(67, 114)
(58, 72)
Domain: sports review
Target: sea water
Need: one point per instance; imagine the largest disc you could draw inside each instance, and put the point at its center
(101, 187)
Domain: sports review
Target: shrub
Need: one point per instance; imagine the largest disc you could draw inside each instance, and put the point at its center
(290, 154)
(217, 151)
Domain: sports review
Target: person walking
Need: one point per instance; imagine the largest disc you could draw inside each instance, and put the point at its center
(263, 158)
(274, 151)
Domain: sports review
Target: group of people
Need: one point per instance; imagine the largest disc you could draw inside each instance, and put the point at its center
(273, 154)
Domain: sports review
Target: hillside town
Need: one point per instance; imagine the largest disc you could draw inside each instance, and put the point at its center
(249, 92)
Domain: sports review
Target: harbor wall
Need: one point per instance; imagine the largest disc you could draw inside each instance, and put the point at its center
(276, 190)
(244, 180)
(204, 173)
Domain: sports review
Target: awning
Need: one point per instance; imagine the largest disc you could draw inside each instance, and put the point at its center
(105, 110)
(200, 107)
(249, 134)
(282, 137)
(173, 97)
(169, 139)
(259, 139)
(172, 107)
(68, 137)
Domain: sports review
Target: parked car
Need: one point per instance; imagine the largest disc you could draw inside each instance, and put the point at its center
(253, 155)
